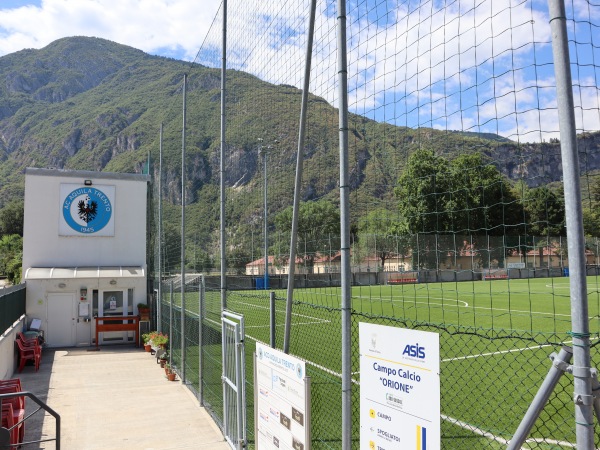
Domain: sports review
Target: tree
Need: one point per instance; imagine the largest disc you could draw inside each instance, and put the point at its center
(318, 222)
(466, 195)
(11, 257)
(545, 212)
(237, 258)
(591, 213)
(388, 236)
(11, 218)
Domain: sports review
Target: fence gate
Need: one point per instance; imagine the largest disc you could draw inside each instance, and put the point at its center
(234, 394)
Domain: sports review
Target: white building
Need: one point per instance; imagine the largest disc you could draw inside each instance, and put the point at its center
(84, 251)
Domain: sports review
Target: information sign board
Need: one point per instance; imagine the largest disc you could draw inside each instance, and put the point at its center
(282, 401)
(399, 388)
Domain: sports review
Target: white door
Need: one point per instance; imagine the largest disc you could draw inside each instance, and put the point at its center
(113, 303)
(61, 320)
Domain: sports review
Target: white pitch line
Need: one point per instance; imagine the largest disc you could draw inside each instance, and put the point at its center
(449, 303)
(318, 319)
(503, 441)
(513, 350)
(391, 299)
(474, 429)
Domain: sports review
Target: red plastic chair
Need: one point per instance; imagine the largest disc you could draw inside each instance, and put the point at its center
(28, 341)
(18, 408)
(28, 353)
(9, 423)
(12, 381)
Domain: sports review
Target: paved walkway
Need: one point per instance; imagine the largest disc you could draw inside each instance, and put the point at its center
(117, 398)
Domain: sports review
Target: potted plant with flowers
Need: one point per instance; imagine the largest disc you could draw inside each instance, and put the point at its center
(164, 357)
(160, 340)
(146, 337)
(171, 375)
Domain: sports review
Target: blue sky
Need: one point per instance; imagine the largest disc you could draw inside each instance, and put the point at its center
(473, 65)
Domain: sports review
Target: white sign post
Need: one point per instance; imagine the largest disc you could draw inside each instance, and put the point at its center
(281, 401)
(399, 388)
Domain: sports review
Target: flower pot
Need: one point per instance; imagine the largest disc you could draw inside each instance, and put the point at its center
(171, 376)
(163, 362)
(147, 347)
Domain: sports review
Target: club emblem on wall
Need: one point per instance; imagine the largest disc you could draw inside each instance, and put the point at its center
(87, 210)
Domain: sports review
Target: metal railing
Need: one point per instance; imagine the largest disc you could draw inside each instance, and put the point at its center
(41, 406)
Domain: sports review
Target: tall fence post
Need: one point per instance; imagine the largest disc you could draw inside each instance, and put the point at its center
(160, 257)
(298, 179)
(222, 235)
(272, 317)
(584, 419)
(183, 233)
(171, 323)
(200, 332)
(346, 294)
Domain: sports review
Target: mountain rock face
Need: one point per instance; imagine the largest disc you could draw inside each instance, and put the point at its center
(91, 104)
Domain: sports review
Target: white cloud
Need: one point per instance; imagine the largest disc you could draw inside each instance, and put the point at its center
(478, 66)
(174, 27)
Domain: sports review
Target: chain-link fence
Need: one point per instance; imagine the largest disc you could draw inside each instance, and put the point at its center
(489, 375)
(457, 202)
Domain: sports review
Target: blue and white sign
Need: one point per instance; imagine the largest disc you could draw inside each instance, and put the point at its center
(399, 388)
(86, 210)
(282, 415)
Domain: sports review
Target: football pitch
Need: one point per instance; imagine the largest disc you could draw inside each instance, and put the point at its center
(495, 341)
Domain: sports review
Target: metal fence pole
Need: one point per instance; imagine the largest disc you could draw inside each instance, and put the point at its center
(200, 332)
(171, 324)
(160, 267)
(272, 317)
(584, 418)
(560, 364)
(183, 233)
(298, 179)
(222, 161)
(344, 229)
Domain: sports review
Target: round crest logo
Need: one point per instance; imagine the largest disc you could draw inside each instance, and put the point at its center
(87, 210)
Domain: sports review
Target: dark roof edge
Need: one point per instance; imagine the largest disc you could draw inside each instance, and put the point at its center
(86, 174)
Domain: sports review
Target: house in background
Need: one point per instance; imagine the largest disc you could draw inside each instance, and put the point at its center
(84, 251)
(328, 263)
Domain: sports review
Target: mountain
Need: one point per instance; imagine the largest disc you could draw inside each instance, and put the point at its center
(91, 104)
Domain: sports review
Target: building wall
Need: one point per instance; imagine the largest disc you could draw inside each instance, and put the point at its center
(44, 247)
(53, 238)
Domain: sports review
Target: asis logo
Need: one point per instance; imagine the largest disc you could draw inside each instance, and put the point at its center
(87, 210)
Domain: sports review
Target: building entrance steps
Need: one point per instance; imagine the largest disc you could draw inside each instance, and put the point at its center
(117, 398)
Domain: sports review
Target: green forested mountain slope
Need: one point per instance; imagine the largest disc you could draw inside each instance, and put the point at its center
(91, 104)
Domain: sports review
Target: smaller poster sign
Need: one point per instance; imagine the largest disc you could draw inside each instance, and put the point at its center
(281, 395)
(399, 388)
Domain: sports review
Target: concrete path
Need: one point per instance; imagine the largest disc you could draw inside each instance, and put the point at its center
(117, 398)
